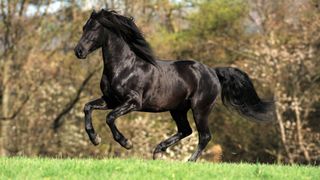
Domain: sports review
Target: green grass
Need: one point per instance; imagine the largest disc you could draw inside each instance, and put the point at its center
(45, 168)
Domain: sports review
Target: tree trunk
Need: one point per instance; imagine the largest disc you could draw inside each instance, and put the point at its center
(282, 131)
(299, 131)
(6, 106)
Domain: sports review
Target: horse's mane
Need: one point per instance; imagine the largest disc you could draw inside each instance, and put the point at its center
(128, 30)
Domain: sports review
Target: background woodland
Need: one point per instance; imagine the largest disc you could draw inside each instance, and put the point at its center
(43, 86)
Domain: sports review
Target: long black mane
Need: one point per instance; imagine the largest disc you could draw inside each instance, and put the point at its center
(126, 28)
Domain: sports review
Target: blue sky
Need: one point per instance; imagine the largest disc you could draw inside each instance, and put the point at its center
(53, 7)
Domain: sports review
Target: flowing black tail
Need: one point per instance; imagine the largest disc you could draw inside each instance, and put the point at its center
(238, 93)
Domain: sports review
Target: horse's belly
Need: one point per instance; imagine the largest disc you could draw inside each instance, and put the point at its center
(157, 108)
(164, 103)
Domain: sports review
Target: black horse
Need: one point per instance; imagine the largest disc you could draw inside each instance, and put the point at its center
(133, 80)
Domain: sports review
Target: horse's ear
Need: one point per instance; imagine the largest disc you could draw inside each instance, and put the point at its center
(94, 13)
(105, 21)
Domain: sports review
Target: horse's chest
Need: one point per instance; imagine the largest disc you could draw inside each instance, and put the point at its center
(104, 85)
(112, 97)
(115, 92)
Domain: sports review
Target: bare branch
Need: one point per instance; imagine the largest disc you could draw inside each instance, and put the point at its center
(58, 121)
(22, 105)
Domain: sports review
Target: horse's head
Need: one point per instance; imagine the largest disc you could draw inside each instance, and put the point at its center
(92, 37)
(105, 23)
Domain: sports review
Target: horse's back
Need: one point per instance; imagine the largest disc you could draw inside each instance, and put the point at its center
(194, 75)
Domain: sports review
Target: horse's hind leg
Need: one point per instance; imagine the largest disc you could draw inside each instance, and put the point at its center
(201, 112)
(99, 104)
(201, 120)
(184, 130)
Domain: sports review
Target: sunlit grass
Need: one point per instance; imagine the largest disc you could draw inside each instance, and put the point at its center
(39, 168)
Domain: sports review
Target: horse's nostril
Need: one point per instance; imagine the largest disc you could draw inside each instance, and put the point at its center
(79, 51)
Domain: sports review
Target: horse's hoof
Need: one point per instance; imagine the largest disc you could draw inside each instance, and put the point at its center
(127, 144)
(97, 140)
(158, 151)
(192, 160)
(157, 155)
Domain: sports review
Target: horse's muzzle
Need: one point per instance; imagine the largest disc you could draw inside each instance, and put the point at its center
(79, 52)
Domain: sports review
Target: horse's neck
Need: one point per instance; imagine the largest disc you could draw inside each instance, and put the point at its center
(117, 55)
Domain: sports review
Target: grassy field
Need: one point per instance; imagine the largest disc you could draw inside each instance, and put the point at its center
(36, 168)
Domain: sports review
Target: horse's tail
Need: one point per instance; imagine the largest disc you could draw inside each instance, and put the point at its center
(238, 93)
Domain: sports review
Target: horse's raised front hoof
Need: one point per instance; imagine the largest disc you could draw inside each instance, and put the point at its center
(126, 144)
(96, 141)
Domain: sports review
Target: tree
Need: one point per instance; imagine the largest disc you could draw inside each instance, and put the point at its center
(285, 57)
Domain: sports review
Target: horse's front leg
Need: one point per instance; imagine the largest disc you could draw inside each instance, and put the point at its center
(97, 104)
(125, 108)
